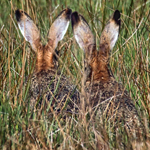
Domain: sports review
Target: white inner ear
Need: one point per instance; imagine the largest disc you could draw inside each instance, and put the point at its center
(79, 41)
(61, 26)
(113, 31)
(113, 37)
(26, 28)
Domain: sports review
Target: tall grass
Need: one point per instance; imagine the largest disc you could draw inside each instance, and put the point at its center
(129, 61)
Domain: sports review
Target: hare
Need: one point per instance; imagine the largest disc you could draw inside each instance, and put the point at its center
(47, 86)
(102, 91)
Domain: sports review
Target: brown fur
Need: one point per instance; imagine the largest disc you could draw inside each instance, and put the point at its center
(45, 58)
(99, 66)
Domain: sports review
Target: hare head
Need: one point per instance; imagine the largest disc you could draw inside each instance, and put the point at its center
(96, 60)
(45, 53)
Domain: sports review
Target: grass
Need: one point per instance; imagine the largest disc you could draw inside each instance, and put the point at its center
(130, 63)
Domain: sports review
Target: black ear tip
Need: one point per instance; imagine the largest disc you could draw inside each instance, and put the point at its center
(68, 13)
(75, 18)
(116, 16)
(18, 14)
(75, 13)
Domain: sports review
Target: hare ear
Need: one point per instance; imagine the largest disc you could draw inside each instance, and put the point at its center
(59, 27)
(110, 33)
(82, 32)
(28, 29)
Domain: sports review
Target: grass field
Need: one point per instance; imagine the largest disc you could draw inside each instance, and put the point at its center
(129, 61)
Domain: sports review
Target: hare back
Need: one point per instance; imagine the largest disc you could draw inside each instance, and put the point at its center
(112, 100)
(49, 87)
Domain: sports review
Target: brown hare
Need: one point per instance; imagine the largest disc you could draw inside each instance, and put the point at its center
(46, 84)
(102, 91)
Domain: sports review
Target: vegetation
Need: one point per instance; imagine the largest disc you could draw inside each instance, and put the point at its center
(129, 61)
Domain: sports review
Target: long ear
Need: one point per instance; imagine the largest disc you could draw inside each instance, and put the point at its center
(110, 33)
(82, 32)
(59, 27)
(28, 29)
